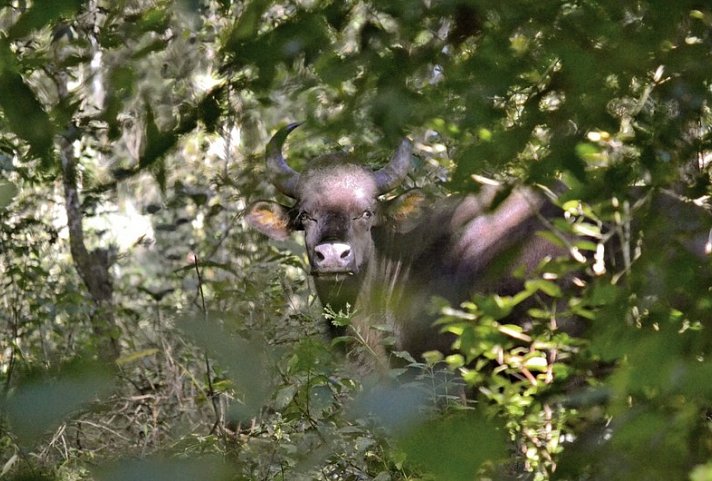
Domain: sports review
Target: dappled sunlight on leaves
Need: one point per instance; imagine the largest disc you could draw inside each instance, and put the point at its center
(593, 365)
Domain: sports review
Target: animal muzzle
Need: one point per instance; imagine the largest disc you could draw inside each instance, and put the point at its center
(333, 258)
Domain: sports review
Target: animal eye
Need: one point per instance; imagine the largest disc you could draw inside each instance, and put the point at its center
(366, 214)
(305, 217)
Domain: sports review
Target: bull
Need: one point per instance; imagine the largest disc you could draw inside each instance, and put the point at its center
(387, 259)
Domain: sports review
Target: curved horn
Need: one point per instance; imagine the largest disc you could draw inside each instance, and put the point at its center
(282, 175)
(397, 169)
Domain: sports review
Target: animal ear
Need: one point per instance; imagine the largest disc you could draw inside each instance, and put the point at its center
(405, 211)
(270, 218)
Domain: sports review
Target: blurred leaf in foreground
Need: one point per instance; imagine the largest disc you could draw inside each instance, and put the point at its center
(160, 469)
(455, 448)
(30, 477)
(41, 14)
(244, 359)
(702, 472)
(8, 191)
(23, 112)
(43, 402)
(394, 407)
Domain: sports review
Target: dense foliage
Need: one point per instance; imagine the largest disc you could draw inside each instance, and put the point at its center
(146, 332)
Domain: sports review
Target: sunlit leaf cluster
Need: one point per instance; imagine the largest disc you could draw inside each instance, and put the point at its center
(598, 369)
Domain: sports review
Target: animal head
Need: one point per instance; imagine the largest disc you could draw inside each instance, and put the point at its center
(336, 205)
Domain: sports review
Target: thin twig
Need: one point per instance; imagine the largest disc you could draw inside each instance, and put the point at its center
(208, 370)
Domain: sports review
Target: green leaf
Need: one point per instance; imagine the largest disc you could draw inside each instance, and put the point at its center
(136, 356)
(589, 152)
(514, 331)
(394, 407)
(158, 143)
(244, 359)
(334, 70)
(284, 396)
(552, 238)
(154, 20)
(249, 21)
(8, 191)
(42, 13)
(547, 287)
(209, 110)
(41, 404)
(454, 448)
(25, 114)
(164, 469)
(586, 229)
(702, 472)
(537, 363)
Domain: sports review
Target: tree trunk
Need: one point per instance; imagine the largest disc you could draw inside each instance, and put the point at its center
(92, 266)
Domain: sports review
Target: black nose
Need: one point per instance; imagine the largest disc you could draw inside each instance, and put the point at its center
(333, 256)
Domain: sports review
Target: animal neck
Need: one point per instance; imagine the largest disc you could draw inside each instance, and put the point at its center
(340, 295)
(366, 297)
(361, 292)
